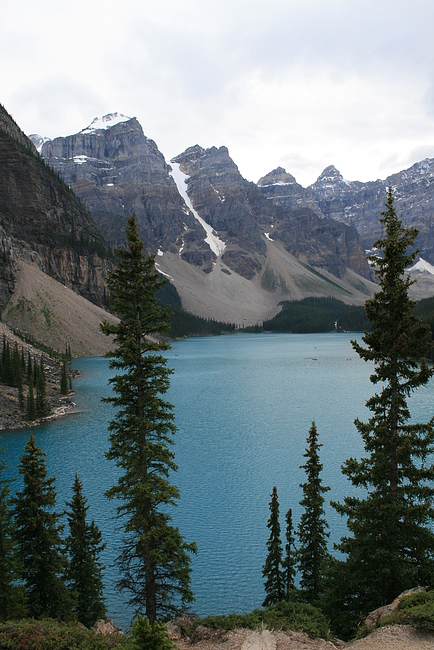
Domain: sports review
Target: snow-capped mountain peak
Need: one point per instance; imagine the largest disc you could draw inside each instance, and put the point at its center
(38, 141)
(422, 266)
(105, 122)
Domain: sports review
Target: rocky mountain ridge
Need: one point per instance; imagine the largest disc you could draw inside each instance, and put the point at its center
(359, 204)
(116, 170)
(231, 253)
(43, 223)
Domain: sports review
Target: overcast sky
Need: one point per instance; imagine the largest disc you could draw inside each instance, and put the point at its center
(297, 83)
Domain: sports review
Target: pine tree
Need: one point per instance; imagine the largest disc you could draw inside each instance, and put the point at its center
(154, 559)
(289, 561)
(272, 570)
(39, 537)
(391, 546)
(42, 405)
(12, 596)
(31, 406)
(64, 380)
(312, 530)
(84, 573)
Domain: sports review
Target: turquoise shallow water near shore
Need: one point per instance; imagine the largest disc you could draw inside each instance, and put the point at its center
(243, 406)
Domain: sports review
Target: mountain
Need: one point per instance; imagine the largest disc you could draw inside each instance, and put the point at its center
(116, 170)
(230, 252)
(359, 204)
(44, 225)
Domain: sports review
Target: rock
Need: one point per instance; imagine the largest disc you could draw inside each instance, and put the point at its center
(260, 641)
(43, 222)
(202, 633)
(359, 203)
(374, 617)
(106, 627)
(116, 170)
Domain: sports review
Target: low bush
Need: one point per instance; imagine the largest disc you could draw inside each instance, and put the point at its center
(416, 610)
(48, 634)
(283, 616)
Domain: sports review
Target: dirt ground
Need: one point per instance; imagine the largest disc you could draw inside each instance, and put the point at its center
(397, 637)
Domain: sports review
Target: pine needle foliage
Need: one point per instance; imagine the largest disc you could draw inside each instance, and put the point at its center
(84, 574)
(39, 537)
(289, 561)
(12, 600)
(145, 636)
(272, 571)
(154, 560)
(391, 546)
(313, 528)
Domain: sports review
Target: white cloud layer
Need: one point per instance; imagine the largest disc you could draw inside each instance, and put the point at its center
(297, 83)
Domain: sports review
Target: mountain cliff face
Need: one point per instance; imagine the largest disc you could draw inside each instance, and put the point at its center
(116, 170)
(43, 222)
(359, 204)
(244, 219)
(231, 253)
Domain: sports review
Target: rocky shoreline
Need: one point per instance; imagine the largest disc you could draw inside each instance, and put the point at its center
(11, 416)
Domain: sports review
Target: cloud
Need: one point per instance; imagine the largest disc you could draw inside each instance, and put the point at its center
(310, 82)
(58, 106)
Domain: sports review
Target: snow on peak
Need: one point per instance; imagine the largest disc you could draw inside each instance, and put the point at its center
(216, 245)
(105, 122)
(422, 267)
(38, 141)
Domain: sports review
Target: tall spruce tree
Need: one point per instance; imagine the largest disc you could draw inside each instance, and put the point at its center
(313, 528)
(272, 570)
(12, 595)
(84, 574)
(391, 546)
(289, 559)
(39, 537)
(155, 560)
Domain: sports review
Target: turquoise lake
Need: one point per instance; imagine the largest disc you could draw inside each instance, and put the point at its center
(243, 406)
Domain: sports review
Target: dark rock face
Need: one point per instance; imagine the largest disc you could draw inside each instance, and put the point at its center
(43, 221)
(240, 214)
(117, 171)
(359, 204)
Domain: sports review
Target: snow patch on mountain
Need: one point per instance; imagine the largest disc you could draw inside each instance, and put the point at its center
(216, 245)
(105, 122)
(422, 266)
(38, 141)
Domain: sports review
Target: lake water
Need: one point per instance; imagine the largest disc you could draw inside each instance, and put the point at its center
(243, 406)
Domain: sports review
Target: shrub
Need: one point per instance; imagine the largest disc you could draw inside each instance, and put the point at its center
(150, 637)
(416, 610)
(48, 634)
(283, 616)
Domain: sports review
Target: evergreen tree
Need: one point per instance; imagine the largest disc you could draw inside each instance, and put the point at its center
(31, 406)
(289, 561)
(39, 537)
(272, 570)
(84, 573)
(391, 546)
(29, 365)
(154, 559)
(42, 405)
(312, 530)
(64, 380)
(12, 599)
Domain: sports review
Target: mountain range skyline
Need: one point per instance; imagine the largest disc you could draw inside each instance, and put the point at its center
(305, 84)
